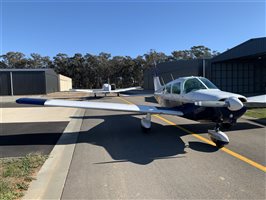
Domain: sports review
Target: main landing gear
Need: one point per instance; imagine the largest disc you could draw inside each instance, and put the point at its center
(146, 123)
(218, 137)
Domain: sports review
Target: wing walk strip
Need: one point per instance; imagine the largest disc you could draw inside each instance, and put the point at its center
(228, 151)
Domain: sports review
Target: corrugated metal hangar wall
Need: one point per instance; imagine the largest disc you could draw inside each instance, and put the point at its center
(169, 70)
(241, 69)
(28, 81)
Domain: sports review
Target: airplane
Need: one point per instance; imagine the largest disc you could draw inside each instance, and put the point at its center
(193, 97)
(106, 89)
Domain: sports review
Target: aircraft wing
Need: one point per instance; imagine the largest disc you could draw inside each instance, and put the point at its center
(81, 90)
(94, 91)
(125, 89)
(256, 102)
(100, 106)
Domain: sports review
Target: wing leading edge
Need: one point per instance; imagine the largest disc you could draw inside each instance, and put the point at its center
(100, 106)
(256, 102)
(125, 89)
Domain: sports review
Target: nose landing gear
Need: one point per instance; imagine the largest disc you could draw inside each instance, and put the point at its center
(218, 137)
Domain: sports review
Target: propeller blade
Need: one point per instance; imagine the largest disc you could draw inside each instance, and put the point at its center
(255, 104)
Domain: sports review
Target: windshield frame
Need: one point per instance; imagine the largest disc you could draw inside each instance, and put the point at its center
(195, 89)
(208, 83)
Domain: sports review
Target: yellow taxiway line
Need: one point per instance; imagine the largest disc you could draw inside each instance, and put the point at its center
(226, 150)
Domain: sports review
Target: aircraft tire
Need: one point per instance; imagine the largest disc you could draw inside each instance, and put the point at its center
(219, 144)
(145, 130)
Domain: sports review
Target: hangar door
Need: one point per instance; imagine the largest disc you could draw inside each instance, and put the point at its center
(28, 83)
(5, 87)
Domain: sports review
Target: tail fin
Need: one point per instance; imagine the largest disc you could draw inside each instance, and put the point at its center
(156, 80)
(157, 83)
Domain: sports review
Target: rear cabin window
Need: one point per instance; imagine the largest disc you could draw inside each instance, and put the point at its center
(176, 88)
(192, 85)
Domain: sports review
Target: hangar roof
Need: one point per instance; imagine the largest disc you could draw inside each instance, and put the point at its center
(255, 46)
(26, 70)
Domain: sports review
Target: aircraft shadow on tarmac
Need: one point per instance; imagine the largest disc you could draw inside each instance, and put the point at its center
(123, 139)
(260, 121)
(203, 127)
(150, 99)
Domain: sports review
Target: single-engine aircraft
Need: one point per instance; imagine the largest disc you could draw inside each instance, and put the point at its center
(106, 89)
(192, 97)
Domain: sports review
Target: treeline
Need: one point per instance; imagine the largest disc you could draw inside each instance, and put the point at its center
(91, 71)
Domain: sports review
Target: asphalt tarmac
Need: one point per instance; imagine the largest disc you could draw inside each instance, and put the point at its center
(25, 138)
(26, 129)
(114, 159)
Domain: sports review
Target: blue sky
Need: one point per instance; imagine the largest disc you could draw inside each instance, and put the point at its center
(127, 27)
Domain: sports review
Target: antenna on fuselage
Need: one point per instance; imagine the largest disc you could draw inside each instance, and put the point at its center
(172, 77)
(163, 81)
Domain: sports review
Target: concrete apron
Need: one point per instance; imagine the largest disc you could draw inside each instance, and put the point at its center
(49, 183)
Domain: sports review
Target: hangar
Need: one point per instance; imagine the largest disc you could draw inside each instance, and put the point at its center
(172, 70)
(32, 81)
(241, 69)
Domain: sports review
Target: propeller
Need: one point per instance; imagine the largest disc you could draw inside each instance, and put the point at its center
(232, 103)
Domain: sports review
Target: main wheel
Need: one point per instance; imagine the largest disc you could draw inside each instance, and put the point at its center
(145, 130)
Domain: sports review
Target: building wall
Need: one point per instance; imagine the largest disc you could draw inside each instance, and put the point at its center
(174, 69)
(242, 69)
(51, 81)
(28, 82)
(65, 83)
(5, 87)
(246, 76)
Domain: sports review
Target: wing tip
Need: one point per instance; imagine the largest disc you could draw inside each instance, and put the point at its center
(31, 101)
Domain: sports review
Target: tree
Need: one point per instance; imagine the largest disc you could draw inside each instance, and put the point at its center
(153, 57)
(182, 55)
(201, 52)
(14, 60)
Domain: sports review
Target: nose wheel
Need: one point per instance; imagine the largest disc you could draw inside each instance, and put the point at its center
(218, 137)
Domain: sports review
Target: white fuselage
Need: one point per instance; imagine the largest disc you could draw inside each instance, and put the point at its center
(178, 92)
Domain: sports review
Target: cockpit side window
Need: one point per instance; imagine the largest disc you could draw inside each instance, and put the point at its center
(168, 89)
(192, 85)
(176, 88)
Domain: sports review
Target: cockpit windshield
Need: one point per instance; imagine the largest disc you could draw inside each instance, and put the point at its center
(208, 83)
(193, 84)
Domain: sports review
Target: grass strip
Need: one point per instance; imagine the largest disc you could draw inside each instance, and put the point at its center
(17, 173)
(259, 113)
